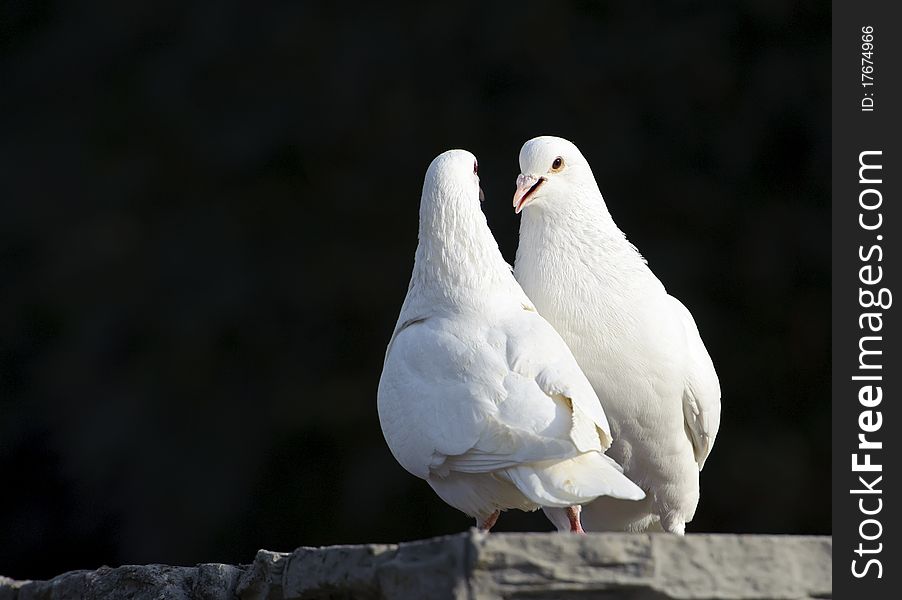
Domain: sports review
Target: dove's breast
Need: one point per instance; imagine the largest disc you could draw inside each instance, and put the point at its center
(619, 326)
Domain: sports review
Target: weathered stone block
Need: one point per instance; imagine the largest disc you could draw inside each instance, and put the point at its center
(476, 566)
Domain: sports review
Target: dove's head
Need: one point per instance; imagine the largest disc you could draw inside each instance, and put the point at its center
(552, 170)
(453, 176)
(457, 253)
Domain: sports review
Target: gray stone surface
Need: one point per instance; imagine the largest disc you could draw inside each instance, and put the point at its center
(475, 566)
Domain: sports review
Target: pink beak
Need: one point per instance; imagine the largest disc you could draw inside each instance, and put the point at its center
(526, 187)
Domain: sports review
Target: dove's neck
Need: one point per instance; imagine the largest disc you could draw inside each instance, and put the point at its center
(457, 260)
(581, 240)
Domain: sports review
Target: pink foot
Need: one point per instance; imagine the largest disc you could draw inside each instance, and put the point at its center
(490, 521)
(573, 516)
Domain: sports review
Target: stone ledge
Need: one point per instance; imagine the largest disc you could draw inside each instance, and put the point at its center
(475, 566)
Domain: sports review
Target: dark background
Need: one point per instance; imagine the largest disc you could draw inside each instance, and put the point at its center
(209, 214)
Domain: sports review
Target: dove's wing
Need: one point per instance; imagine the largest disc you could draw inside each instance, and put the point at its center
(538, 351)
(701, 396)
(449, 401)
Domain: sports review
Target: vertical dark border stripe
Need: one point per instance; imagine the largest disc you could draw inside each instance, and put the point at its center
(855, 131)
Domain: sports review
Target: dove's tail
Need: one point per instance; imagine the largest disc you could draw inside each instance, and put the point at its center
(576, 480)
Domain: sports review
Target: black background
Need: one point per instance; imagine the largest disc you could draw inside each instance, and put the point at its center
(208, 223)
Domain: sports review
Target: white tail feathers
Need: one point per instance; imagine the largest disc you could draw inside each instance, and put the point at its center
(577, 480)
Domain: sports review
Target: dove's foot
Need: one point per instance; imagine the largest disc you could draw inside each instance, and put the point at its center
(573, 516)
(489, 521)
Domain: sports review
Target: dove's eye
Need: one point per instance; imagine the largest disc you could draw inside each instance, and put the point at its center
(475, 168)
(558, 164)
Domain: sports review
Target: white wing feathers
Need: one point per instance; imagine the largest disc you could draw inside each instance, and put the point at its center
(701, 396)
(483, 399)
(585, 476)
(560, 376)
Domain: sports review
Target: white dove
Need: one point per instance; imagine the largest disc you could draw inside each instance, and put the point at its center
(638, 345)
(479, 395)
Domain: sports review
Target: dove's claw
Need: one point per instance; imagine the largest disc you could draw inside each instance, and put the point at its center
(489, 521)
(573, 515)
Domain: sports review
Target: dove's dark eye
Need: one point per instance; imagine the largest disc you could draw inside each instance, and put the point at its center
(558, 164)
(475, 168)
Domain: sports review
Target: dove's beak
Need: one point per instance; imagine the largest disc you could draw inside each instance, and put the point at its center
(526, 187)
(481, 195)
